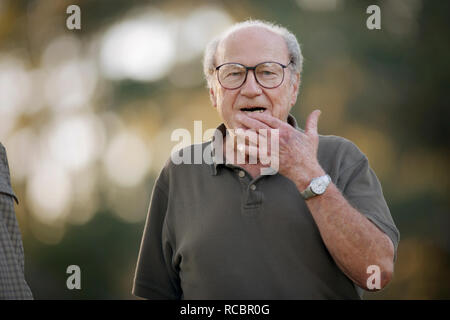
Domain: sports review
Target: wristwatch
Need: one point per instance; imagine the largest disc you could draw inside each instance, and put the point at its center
(316, 187)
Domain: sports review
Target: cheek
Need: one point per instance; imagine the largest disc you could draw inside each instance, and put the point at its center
(281, 103)
(280, 100)
(225, 101)
(289, 92)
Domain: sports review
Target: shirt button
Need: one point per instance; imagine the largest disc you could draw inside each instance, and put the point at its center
(241, 174)
(253, 187)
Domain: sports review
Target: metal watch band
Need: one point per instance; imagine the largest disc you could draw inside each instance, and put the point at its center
(308, 193)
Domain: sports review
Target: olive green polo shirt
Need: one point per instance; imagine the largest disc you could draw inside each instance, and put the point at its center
(214, 232)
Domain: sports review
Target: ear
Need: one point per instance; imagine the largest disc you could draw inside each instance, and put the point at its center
(295, 85)
(212, 96)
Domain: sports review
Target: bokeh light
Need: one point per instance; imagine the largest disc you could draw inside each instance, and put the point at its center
(127, 159)
(76, 141)
(24, 142)
(198, 28)
(15, 87)
(139, 48)
(49, 191)
(86, 117)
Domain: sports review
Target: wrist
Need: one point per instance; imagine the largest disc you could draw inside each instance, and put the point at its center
(303, 178)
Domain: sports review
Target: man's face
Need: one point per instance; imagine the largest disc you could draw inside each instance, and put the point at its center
(249, 47)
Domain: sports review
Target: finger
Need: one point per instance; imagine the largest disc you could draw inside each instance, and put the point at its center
(249, 122)
(253, 138)
(258, 153)
(264, 132)
(246, 154)
(241, 147)
(311, 122)
(272, 122)
(246, 136)
(263, 142)
(252, 153)
(256, 150)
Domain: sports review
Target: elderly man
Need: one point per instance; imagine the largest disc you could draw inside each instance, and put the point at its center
(318, 228)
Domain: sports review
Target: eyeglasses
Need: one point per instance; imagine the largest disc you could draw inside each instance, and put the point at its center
(268, 74)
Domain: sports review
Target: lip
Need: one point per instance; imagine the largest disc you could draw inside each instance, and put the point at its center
(261, 109)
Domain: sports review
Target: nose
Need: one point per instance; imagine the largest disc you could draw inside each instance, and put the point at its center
(251, 88)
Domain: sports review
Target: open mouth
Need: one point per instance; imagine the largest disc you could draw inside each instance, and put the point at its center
(253, 109)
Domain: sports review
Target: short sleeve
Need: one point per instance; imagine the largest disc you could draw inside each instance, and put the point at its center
(362, 189)
(155, 278)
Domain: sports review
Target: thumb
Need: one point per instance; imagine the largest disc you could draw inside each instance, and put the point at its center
(311, 122)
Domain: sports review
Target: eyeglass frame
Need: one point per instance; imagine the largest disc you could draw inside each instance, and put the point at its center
(252, 68)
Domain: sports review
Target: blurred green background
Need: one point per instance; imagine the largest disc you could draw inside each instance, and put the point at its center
(86, 117)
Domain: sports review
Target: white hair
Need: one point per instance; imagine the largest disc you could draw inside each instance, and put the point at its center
(294, 51)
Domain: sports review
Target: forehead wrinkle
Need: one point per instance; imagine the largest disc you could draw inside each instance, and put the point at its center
(252, 45)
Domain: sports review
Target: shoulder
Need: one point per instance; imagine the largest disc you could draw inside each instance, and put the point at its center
(5, 179)
(2, 155)
(338, 153)
(193, 154)
(186, 162)
(4, 169)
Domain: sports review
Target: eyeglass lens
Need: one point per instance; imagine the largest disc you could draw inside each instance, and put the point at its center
(267, 74)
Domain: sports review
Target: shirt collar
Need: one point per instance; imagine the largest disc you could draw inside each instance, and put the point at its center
(215, 161)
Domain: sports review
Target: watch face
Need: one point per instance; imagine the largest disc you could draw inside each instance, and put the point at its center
(318, 186)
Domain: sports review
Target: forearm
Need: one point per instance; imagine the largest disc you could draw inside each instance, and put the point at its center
(352, 240)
